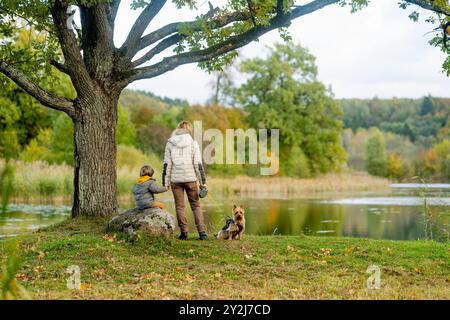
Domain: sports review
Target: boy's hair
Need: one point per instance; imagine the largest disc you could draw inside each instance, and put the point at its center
(146, 171)
(185, 125)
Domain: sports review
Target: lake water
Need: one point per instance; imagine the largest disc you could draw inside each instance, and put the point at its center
(393, 214)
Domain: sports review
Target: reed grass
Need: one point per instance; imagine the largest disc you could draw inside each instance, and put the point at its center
(41, 181)
(344, 182)
(38, 180)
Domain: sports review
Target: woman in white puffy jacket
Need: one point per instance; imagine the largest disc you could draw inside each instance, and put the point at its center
(182, 170)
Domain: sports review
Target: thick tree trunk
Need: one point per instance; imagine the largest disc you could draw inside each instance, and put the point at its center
(95, 156)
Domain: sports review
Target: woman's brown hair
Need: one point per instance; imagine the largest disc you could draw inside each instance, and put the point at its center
(185, 125)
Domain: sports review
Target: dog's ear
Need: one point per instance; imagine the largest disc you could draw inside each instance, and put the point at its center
(234, 207)
(242, 206)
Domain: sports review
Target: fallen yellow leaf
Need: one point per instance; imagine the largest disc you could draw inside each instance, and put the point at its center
(109, 238)
(85, 286)
(351, 249)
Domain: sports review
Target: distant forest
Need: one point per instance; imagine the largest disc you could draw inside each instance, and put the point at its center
(423, 121)
(396, 138)
(412, 135)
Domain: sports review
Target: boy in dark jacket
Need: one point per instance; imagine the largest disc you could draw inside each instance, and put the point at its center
(145, 188)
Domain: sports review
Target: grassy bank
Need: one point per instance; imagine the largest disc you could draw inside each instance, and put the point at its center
(40, 181)
(259, 267)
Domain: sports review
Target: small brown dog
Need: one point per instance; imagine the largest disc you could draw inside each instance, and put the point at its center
(239, 221)
(234, 227)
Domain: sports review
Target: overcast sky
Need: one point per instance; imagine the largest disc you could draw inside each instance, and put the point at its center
(378, 51)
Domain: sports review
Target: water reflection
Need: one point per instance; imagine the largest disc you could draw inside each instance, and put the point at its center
(394, 201)
(394, 215)
(330, 219)
(422, 186)
(24, 218)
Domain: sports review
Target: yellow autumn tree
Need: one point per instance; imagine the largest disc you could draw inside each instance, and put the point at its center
(442, 150)
(395, 168)
(431, 162)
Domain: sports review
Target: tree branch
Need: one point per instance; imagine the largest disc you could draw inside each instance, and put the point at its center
(233, 43)
(44, 97)
(73, 60)
(114, 7)
(60, 66)
(252, 11)
(97, 40)
(29, 21)
(142, 22)
(429, 6)
(279, 7)
(173, 28)
(222, 21)
(219, 22)
(160, 47)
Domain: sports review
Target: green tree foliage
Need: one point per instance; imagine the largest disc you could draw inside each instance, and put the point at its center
(21, 116)
(216, 116)
(37, 149)
(53, 145)
(99, 71)
(143, 106)
(152, 138)
(142, 117)
(282, 91)
(54, 142)
(9, 147)
(151, 132)
(442, 151)
(6, 184)
(375, 154)
(61, 141)
(296, 163)
(10, 288)
(421, 120)
(129, 156)
(151, 100)
(171, 116)
(426, 106)
(222, 118)
(126, 131)
(411, 128)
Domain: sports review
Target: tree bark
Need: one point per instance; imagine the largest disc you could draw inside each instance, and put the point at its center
(95, 192)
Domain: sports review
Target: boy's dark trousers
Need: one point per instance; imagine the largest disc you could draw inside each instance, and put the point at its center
(178, 189)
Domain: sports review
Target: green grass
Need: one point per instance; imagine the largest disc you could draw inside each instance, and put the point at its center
(259, 267)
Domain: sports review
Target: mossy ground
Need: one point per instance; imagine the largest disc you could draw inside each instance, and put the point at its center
(259, 267)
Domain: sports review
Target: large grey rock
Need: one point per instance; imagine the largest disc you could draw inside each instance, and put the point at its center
(153, 221)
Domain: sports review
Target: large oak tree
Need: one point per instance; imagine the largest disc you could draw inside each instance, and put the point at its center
(99, 70)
